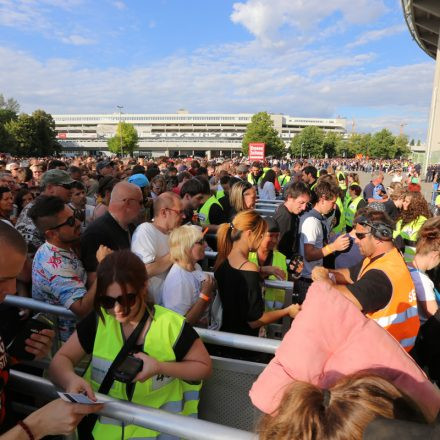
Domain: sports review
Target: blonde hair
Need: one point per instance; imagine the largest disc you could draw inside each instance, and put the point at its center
(342, 412)
(181, 241)
(227, 233)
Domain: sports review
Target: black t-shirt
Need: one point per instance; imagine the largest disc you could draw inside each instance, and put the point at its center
(86, 330)
(216, 215)
(242, 300)
(373, 290)
(107, 231)
(289, 224)
(226, 205)
(391, 209)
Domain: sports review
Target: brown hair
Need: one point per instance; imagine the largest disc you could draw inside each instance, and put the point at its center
(429, 237)
(418, 206)
(307, 412)
(327, 188)
(122, 267)
(227, 233)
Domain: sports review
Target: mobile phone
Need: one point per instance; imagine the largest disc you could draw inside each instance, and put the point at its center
(128, 369)
(294, 264)
(36, 324)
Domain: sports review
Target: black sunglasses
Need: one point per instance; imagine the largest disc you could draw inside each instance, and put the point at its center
(108, 302)
(361, 235)
(69, 222)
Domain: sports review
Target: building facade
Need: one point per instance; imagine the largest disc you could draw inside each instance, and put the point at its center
(180, 133)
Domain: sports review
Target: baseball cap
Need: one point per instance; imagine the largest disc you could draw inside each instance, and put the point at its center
(103, 164)
(139, 180)
(56, 177)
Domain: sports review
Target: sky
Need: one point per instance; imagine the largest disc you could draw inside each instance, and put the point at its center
(304, 58)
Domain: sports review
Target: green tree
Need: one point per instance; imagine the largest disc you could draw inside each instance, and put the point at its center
(7, 142)
(9, 104)
(126, 135)
(401, 146)
(309, 142)
(382, 145)
(33, 135)
(261, 129)
(332, 144)
(412, 143)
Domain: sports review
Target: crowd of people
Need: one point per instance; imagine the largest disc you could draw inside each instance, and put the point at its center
(123, 244)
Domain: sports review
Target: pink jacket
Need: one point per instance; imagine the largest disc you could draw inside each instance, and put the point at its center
(331, 338)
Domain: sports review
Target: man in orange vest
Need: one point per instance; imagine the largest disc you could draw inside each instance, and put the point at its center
(381, 285)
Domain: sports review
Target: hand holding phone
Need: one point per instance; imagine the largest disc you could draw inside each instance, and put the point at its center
(128, 369)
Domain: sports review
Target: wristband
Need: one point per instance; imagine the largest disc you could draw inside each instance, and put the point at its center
(329, 249)
(26, 429)
(204, 297)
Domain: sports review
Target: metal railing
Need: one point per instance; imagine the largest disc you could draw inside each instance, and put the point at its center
(130, 413)
(210, 336)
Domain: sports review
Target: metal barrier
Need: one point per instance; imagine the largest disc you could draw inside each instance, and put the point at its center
(130, 413)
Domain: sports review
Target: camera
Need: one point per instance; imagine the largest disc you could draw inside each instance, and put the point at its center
(128, 369)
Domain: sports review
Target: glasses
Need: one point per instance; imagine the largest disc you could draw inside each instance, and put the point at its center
(361, 235)
(108, 302)
(69, 222)
(177, 211)
(201, 242)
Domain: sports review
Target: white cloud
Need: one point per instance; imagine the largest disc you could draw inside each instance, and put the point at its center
(264, 18)
(377, 34)
(119, 5)
(77, 40)
(224, 79)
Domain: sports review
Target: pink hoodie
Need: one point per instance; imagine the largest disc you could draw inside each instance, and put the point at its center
(331, 338)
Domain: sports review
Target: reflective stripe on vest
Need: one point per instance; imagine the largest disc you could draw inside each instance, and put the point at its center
(204, 210)
(399, 317)
(273, 298)
(351, 209)
(340, 227)
(167, 393)
(409, 233)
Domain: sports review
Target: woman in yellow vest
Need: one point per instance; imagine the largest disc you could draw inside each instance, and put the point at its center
(415, 212)
(170, 350)
(267, 255)
(353, 204)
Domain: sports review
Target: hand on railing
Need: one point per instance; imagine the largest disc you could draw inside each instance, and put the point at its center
(58, 417)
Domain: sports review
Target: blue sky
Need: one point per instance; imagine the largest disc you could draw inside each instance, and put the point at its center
(353, 58)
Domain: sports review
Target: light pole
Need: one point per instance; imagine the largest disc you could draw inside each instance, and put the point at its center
(120, 107)
(302, 145)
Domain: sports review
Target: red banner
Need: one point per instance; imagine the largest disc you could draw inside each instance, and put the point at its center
(257, 151)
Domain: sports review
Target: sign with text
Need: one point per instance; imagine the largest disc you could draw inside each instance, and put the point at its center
(257, 151)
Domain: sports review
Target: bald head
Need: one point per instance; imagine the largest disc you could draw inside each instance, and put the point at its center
(124, 190)
(165, 200)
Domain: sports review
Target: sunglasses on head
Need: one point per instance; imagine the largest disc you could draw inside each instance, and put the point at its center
(108, 302)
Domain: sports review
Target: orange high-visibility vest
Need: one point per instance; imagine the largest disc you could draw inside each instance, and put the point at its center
(399, 316)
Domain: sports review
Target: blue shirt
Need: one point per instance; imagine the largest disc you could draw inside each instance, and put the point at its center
(58, 278)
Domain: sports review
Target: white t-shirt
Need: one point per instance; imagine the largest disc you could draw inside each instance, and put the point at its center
(267, 192)
(424, 289)
(181, 289)
(310, 233)
(149, 244)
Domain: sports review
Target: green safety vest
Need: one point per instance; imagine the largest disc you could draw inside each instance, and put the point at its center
(350, 210)
(205, 208)
(340, 227)
(273, 298)
(437, 200)
(219, 194)
(342, 183)
(409, 233)
(250, 179)
(166, 393)
(284, 179)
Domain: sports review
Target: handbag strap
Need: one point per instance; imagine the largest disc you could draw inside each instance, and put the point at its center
(107, 383)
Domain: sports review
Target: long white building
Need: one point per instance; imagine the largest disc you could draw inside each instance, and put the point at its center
(180, 133)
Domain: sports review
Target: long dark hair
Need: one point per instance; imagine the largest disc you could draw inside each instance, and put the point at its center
(122, 267)
(270, 176)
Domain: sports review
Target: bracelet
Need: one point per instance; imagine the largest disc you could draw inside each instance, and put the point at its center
(329, 249)
(204, 297)
(26, 429)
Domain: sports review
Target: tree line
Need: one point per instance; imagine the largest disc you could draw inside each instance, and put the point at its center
(314, 142)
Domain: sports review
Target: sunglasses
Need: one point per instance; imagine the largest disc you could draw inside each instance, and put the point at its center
(361, 235)
(69, 222)
(108, 302)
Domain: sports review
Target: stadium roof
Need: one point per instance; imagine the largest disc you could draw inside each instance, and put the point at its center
(423, 20)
